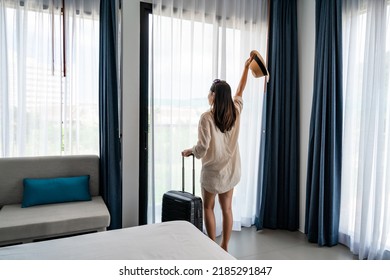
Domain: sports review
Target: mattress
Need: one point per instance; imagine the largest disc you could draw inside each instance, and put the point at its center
(176, 240)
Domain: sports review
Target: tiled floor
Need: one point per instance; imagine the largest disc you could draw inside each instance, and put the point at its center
(249, 244)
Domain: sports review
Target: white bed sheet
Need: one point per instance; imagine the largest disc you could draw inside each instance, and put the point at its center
(165, 241)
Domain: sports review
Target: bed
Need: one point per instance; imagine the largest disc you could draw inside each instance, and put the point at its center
(176, 240)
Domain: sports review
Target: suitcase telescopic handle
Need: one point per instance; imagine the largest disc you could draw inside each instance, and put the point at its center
(193, 174)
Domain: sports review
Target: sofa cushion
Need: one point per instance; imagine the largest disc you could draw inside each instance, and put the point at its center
(48, 220)
(18, 168)
(39, 191)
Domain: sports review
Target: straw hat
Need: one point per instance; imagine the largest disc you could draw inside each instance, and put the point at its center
(257, 65)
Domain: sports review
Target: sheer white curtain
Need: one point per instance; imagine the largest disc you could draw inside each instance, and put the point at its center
(81, 87)
(30, 72)
(44, 112)
(365, 193)
(195, 42)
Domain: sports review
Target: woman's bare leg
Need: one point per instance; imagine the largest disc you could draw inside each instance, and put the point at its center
(225, 200)
(208, 209)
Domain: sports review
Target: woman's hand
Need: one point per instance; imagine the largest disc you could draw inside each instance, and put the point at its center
(186, 153)
(242, 83)
(249, 60)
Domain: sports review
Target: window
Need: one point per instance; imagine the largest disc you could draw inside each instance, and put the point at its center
(365, 197)
(49, 78)
(187, 51)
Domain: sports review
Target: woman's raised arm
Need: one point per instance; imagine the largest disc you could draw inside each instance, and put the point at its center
(244, 77)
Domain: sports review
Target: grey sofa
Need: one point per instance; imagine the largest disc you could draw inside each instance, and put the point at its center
(39, 222)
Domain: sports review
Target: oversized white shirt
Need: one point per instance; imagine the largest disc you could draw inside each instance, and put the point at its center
(221, 164)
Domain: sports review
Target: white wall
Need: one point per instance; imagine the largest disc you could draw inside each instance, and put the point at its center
(130, 98)
(131, 41)
(306, 43)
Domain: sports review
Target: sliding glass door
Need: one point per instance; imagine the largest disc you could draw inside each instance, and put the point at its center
(186, 51)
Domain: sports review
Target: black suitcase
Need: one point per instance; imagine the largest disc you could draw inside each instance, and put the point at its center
(181, 205)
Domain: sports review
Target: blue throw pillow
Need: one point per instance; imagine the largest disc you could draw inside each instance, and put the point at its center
(55, 190)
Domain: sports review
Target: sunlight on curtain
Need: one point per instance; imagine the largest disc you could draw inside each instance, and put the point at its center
(195, 42)
(365, 197)
(42, 112)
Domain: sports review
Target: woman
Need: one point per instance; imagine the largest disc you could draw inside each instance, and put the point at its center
(217, 146)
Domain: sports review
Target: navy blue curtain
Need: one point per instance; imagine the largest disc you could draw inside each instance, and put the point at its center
(110, 148)
(278, 201)
(324, 159)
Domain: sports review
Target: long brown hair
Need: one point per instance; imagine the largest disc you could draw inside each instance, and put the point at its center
(224, 111)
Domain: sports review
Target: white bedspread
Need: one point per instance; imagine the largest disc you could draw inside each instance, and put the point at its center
(165, 241)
